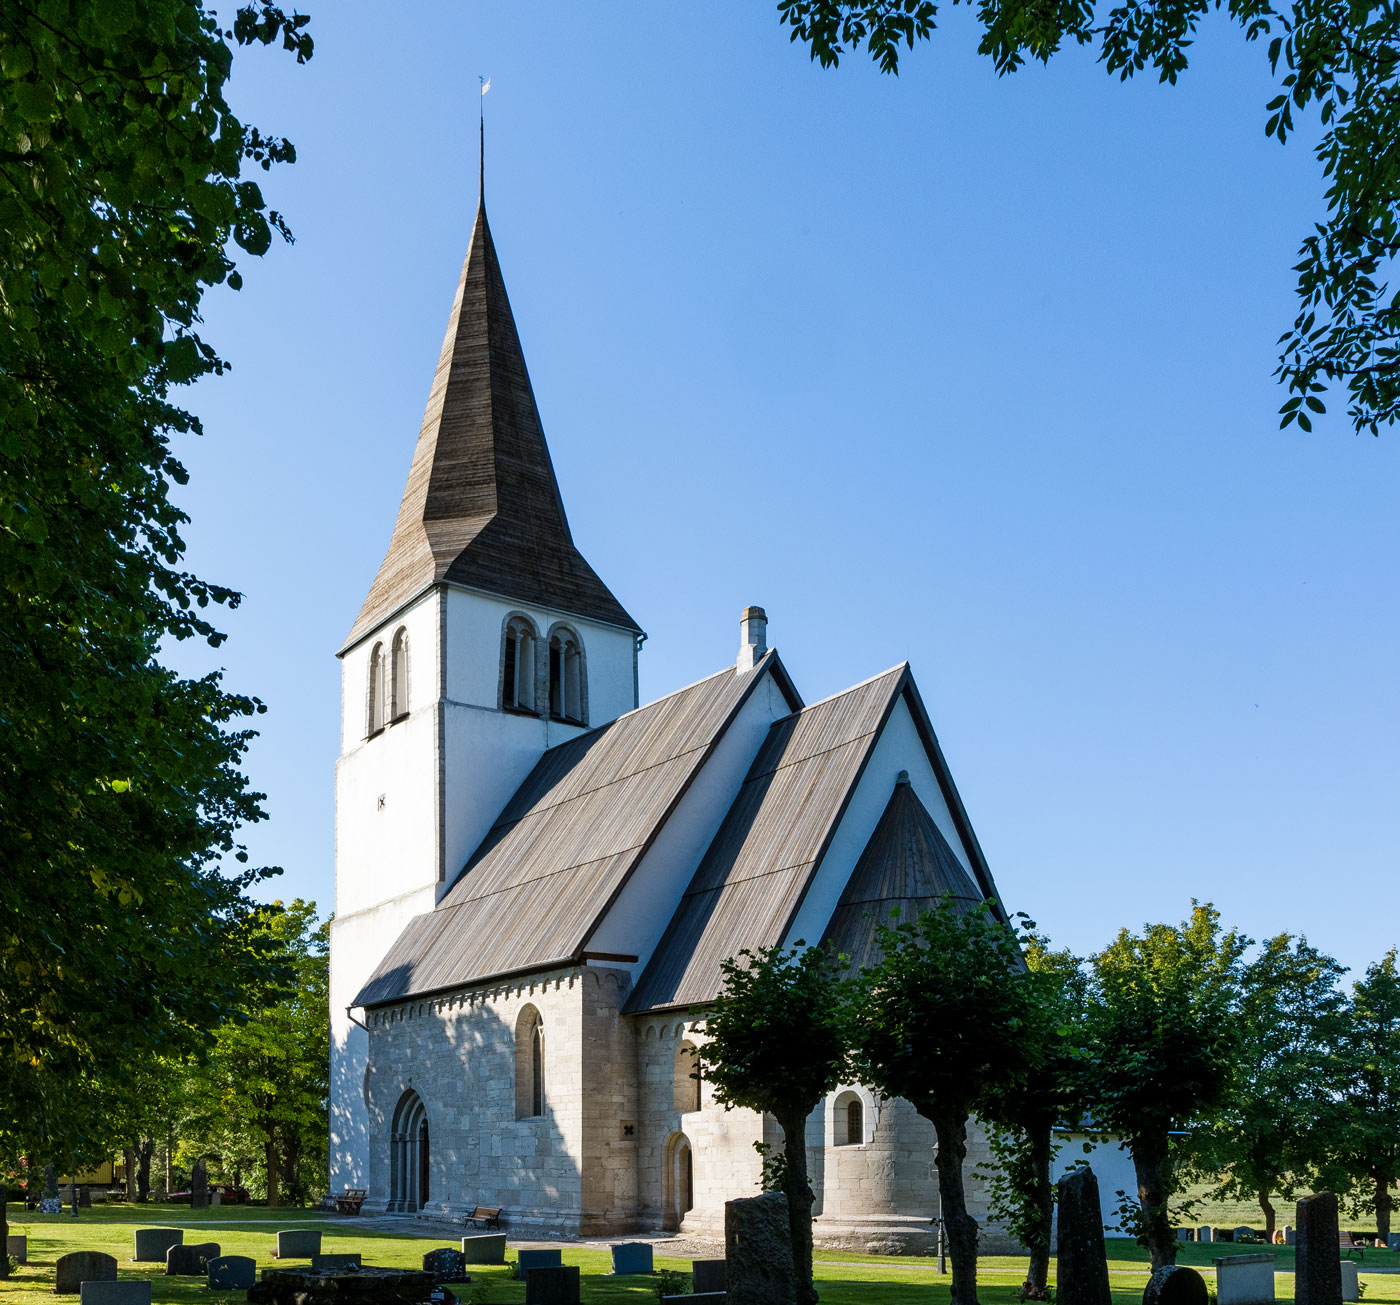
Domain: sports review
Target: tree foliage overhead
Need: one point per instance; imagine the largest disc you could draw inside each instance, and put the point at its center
(122, 200)
(1337, 58)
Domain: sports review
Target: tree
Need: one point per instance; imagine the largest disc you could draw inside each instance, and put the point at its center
(939, 1019)
(1279, 1124)
(1165, 1044)
(1370, 1070)
(121, 197)
(1025, 1109)
(1341, 58)
(775, 1042)
(262, 1097)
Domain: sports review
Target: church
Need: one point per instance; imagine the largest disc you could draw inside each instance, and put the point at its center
(538, 878)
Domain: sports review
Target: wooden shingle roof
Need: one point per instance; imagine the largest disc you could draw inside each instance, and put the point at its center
(482, 506)
(907, 868)
(752, 879)
(561, 851)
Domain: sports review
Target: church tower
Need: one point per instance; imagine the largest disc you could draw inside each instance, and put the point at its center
(485, 639)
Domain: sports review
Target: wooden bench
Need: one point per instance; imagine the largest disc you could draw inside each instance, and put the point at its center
(484, 1216)
(350, 1200)
(1350, 1246)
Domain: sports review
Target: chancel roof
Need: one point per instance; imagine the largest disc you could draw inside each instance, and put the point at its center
(908, 867)
(563, 848)
(482, 506)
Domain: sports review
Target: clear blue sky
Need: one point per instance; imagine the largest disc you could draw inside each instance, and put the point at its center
(965, 371)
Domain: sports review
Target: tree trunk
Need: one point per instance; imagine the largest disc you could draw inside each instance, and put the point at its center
(4, 1229)
(1037, 1284)
(129, 1158)
(270, 1158)
(1270, 1214)
(143, 1169)
(960, 1228)
(1383, 1203)
(798, 1190)
(1152, 1162)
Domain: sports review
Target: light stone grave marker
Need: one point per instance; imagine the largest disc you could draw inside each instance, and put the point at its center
(1351, 1284)
(1244, 1280)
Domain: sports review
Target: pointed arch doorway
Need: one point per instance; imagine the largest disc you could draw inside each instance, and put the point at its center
(409, 1155)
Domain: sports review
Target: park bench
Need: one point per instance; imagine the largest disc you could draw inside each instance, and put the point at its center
(484, 1216)
(1350, 1246)
(350, 1200)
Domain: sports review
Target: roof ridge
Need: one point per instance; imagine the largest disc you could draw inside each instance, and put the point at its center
(900, 667)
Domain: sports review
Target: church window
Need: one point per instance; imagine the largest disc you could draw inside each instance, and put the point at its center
(567, 681)
(377, 698)
(399, 676)
(518, 665)
(686, 1080)
(529, 1064)
(849, 1121)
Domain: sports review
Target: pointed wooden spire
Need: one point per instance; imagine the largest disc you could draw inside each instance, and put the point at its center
(482, 506)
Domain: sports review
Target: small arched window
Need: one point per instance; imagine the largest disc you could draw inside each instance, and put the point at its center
(378, 704)
(518, 665)
(687, 1078)
(529, 1064)
(399, 694)
(849, 1122)
(567, 684)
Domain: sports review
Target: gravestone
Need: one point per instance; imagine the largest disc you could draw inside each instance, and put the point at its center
(1245, 1235)
(78, 1267)
(152, 1243)
(552, 1285)
(1351, 1284)
(527, 1260)
(484, 1248)
(1204, 1234)
(336, 1263)
(758, 1251)
(1244, 1280)
(199, 1186)
(1185, 1235)
(707, 1276)
(1392, 1241)
(232, 1272)
(632, 1257)
(50, 1183)
(17, 1244)
(446, 1264)
(190, 1259)
(1174, 1284)
(298, 1243)
(1290, 1237)
(134, 1291)
(1082, 1265)
(1319, 1271)
(304, 1286)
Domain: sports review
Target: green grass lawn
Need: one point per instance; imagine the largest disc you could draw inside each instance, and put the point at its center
(844, 1278)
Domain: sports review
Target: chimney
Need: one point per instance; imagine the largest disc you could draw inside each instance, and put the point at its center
(753, 638)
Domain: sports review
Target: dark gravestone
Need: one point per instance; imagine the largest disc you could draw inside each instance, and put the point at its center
(17, 1244)
(485, 1248)
(232, 1272)
(758, 1251)
(446, 1265)
(298, 1243)
(552, 1285)
(1245, 1235)
(152, 1243)
(545, 1259)
(707, 1276)
(50, 1183)
(116, 1293)
(1175, 1284)
(78, 1267)
(191, 1259)
(335, 1263)
(1082, 1266)
(632, 1257)
(199, 1186)
(1319, 1265)
(367, 1286)
(1392, 1241)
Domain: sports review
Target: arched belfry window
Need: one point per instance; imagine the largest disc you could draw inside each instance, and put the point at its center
(378, 698)
(518, 665)
(849, 1121)
(398, 696)
(529, 1064)
(568, 682)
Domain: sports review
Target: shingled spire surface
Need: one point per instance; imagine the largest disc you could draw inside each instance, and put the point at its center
(482, 506)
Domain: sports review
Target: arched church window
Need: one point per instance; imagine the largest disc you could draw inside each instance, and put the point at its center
(849, 1122)
(529, 1064)
(378, 705)
(567, 681)
(518, 665)
(686, 1078)
(399, 694)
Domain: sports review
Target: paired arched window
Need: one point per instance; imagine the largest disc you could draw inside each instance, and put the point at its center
(529, 1064)
(849, 1122)
(388, 683)
(686, 1078)
(518, 665)
(566, 678)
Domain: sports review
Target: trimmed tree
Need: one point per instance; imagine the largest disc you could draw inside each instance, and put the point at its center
(943, 1015)
(775, 1042)
(1160, 1011)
